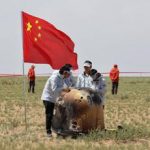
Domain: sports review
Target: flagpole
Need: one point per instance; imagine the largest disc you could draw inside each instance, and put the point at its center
(24, 97)
(24, 82)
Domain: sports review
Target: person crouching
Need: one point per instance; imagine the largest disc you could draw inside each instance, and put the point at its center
(52, 89)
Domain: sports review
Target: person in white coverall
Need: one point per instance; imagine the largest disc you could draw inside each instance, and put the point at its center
(52, 89)
(99, 85)
(84, 79)
(70, 81)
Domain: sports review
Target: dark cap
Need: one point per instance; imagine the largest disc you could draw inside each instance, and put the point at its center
(87, 63)
(93, 72)
(63, 69)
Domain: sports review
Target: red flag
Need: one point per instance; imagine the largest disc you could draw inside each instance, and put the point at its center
(44, 44)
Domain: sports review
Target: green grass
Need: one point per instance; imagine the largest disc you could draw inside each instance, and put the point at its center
(130, 108)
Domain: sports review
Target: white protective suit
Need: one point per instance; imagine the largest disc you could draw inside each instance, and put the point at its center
(53, 87)
(84, 80)
(69, 82)
(100, 86)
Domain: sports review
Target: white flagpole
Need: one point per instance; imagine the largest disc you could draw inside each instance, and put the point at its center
(24, 82)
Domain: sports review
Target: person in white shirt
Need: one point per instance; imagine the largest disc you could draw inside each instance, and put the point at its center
(99, 84)
(52, 89)
(84, 79)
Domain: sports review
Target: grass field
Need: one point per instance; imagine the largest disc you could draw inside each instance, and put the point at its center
(130, 108)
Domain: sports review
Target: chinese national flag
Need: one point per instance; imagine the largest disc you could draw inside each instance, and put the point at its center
(44, 44)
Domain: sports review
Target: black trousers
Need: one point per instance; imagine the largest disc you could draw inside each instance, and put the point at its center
(49, 108)
(31, 86)
(115, 87)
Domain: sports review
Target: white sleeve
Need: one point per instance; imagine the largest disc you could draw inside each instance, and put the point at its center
(78, 84)
(54, 86)
(72, 80)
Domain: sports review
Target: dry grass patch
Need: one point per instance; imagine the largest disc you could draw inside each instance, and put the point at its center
(130, 108)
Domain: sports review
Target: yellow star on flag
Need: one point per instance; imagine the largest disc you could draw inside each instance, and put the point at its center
(39, 27)
(39, 35)
(35, 39)
(36, 21)
(29, 26)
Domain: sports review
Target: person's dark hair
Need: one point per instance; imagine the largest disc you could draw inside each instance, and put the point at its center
(89, 62)
(93, 72)
(115, 65)
(68, 65)
(62, 69)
